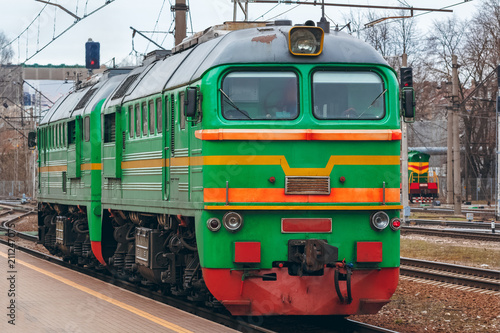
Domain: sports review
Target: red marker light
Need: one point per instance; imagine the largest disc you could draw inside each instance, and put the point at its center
(92, 62)
(395, 224)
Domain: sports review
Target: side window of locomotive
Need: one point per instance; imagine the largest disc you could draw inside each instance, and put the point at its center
(137, 120)
(144, 119)
(348, 95)
(58, 135)
(86, 129)
(260, 96)
(181, 108)
(71, 132)
(109, 127)
(151, 109)
(159, 115)
(64, 135)
(131, 121)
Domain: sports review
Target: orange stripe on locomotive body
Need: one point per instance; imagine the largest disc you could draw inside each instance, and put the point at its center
(136, 164)
(276, 195)
(300, 295)
(298, 135)
(90, 166)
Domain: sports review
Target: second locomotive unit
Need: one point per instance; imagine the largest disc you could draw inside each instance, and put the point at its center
(256, 167)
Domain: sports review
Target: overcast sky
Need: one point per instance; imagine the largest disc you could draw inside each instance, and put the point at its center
(111, 25)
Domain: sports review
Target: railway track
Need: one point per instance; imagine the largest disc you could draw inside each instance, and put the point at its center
(449, 273)
(451, 233)
(16, 214)
(484, 212)
(330, 324)
(455, 224)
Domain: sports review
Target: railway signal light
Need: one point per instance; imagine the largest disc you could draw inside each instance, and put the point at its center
(406, 77)
(92, 54)
(407, 94)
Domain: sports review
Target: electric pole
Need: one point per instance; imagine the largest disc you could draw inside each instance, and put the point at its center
(180, 8)
(449, 154)
(404, 159)
(244, 10)
(457, 188)
(497, 209)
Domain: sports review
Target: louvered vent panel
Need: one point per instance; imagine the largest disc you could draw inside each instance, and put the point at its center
(124, 87)
(85, 99)
(307, 185)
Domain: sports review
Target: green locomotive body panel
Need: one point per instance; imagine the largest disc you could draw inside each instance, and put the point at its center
(247, 166)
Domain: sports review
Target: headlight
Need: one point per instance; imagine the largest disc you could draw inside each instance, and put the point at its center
(305, 41)
(213, 224)
(379, 220)
(232, 221)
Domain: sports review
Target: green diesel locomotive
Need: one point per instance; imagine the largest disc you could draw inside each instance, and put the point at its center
(256, 166)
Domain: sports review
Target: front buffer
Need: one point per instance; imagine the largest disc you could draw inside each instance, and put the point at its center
(256, 293)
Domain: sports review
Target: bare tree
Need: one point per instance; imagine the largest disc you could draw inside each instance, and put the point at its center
(379, 35)
(481, 57)
(6, 52)
(446, 37)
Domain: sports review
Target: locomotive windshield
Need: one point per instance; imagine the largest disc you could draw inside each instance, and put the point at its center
(260, 96)
(348, 95)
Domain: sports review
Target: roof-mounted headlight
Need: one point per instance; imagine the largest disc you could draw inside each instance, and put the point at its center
(305, 41)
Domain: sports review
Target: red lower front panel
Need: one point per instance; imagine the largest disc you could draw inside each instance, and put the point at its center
(306, 295)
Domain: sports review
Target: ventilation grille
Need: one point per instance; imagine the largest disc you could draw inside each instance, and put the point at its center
(85, 99)
(307, 185)
(124, 87)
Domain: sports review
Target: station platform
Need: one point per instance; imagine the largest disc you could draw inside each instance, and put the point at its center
(51, 298)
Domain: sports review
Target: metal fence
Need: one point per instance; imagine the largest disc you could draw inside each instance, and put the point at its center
(480, 189)
(475, 189)
(15, 188)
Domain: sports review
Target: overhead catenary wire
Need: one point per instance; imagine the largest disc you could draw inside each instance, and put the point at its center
(190, 19)
(425, 13)
(156, 24)
(29, 25)
(26, 31)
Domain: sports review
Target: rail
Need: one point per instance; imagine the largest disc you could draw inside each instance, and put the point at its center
(451, 233)
(449, 273)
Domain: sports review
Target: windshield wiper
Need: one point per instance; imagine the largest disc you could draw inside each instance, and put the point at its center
(230, 101)
(374, 101)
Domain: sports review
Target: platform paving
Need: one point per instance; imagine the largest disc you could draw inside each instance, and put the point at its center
(51, 298)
